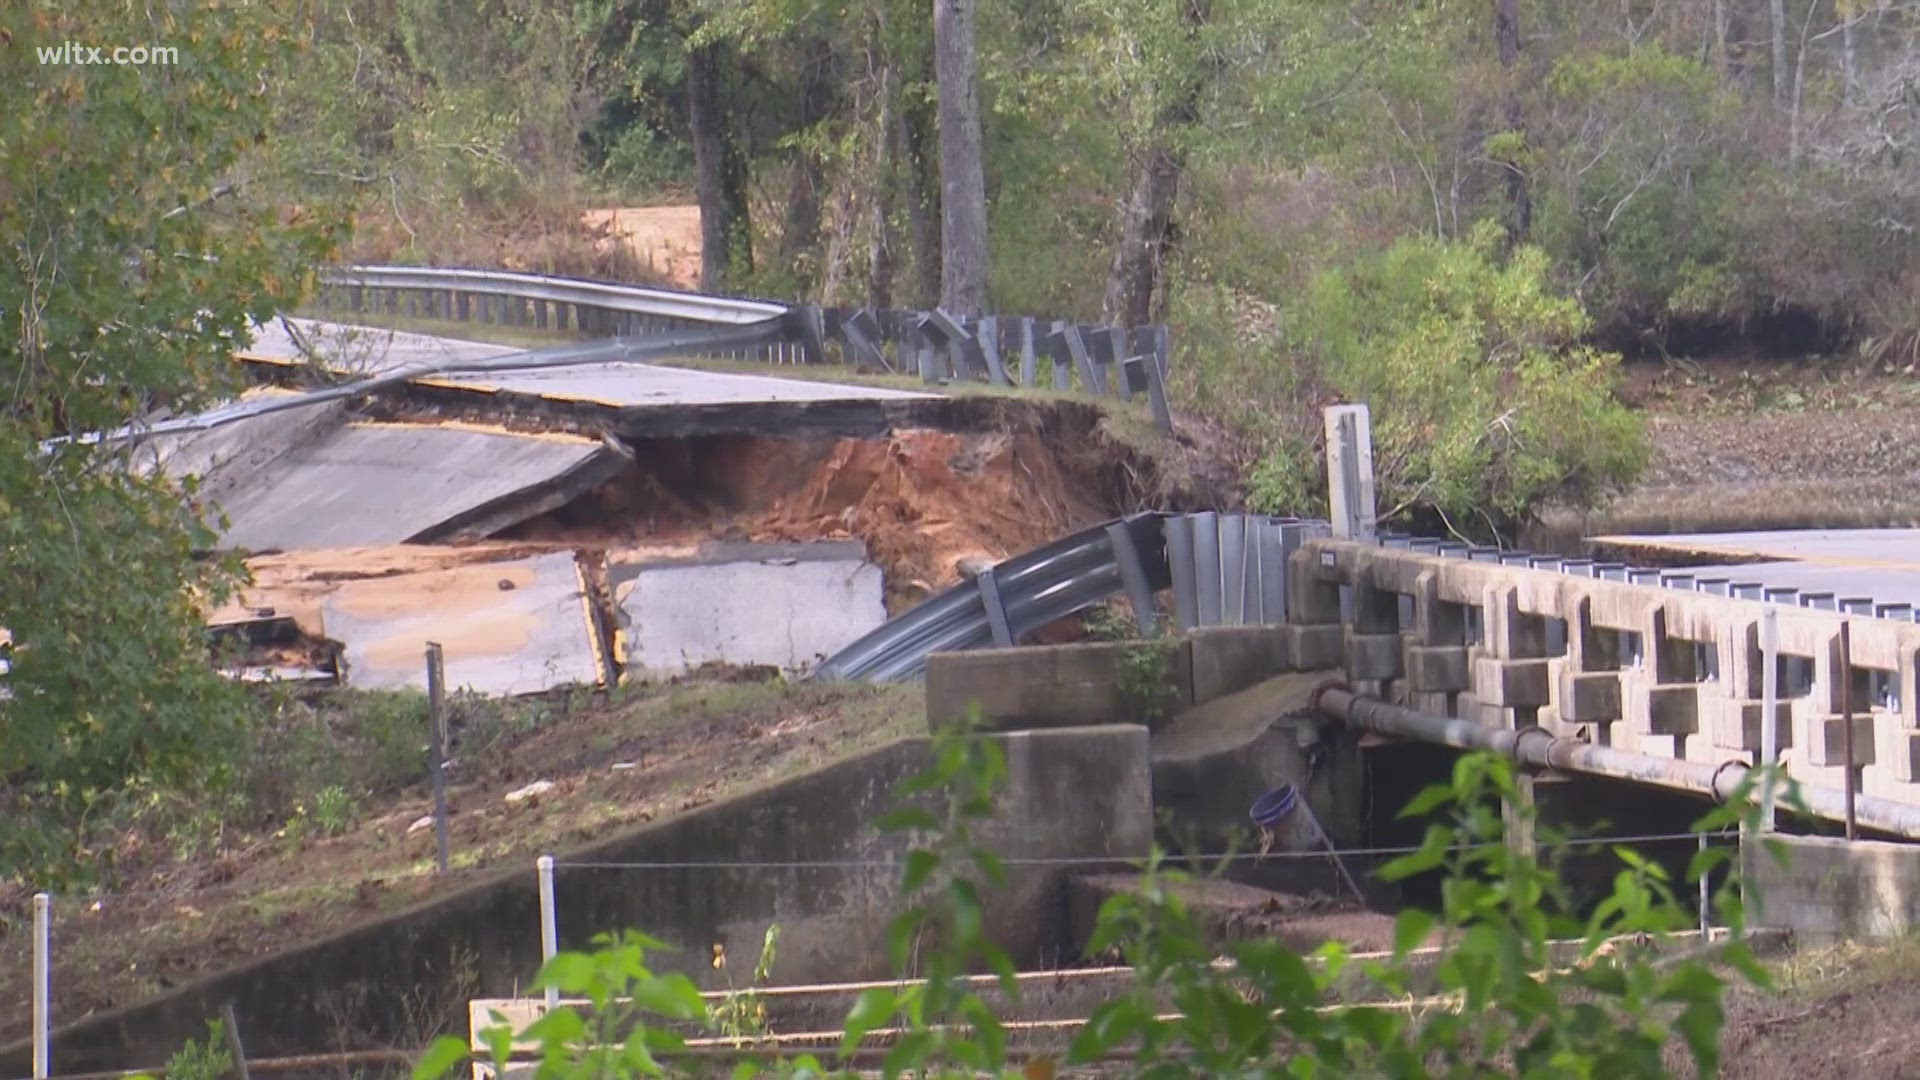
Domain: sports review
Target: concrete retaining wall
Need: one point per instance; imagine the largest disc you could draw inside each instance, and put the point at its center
(1829, 888)
(1080, 792)
(1054, 685)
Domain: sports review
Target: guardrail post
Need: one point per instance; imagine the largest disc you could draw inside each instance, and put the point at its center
(1769, 722)
(1117, 345)
(1706, 897)
(1157, 396)
(1133, 576)
(1206, 567)
(926, 356)
(989, 345)
(1056, 346)
(989, 587)
(1350, 471)
(1180, 561)
(1090, 375)
(1028, 360)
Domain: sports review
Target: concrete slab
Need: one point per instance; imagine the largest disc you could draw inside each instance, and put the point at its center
(363, 350)
(368, 351)
(1879, 564)
(626, 385)
(309, 479)
(787, 605)
(511, 627)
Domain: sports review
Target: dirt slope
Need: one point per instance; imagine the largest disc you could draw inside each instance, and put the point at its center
(614, 761)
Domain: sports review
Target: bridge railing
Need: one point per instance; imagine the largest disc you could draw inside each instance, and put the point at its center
(1661, 661)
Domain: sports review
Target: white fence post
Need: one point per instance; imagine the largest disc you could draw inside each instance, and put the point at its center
(42, 979)
(549, 927)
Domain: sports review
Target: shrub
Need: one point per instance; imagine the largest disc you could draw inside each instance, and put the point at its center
(1485, 406)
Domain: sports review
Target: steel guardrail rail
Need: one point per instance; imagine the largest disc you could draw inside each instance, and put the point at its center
(1030, 590)
(641, 300)
(1235, 577)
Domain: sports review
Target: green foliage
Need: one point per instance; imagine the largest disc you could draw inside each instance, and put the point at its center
(1524, 982)
(742, 1014)
(1485, 406)
(622, 1030)
(136, 258)
(1109, 622)
(209, 1060)
(1147, 680)
(944, 1026)
(329, 815)
(1645, 219)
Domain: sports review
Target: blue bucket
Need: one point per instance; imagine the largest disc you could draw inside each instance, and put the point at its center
(1273, 807)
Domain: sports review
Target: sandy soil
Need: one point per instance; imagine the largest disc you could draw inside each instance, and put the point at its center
(923, 501)
(665, 239)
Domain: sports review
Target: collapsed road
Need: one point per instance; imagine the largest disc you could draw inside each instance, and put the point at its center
(585, 522)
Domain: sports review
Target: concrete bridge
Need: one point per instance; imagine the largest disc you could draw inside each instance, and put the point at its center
(1646, 668)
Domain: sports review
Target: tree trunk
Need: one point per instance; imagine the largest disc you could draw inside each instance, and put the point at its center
(1718, 52)
(963, 184)
(1777, 17)
(1146, 228)
(923, 202)
(1849, 74)
(800, 236)
(1506, 33)
(1146, 218)
(880, 260)
(719, 171)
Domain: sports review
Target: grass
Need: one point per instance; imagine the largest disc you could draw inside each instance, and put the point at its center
(191, 906)
(1828, 970)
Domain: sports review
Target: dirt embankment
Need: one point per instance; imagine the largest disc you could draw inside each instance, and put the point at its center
(663, 239)
(927, 503)
(190, 905)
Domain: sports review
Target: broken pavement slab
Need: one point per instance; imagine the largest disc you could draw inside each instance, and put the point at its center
(786, 605)
(514, 627)
(311, 478)
(363, 350)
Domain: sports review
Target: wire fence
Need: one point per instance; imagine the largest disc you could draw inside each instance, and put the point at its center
(66, 955)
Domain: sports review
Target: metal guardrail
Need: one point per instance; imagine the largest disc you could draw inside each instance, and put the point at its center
(591, 308)
(1004, 351)
(1224, 570)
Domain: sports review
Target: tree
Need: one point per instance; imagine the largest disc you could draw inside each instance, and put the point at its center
(133, 255)
(1146, 215)
(963, 183)
(1506, 32)
(720, 171)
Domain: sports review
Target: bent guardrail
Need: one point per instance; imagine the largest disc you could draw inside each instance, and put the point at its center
(1006, 351)
(1223, 570)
